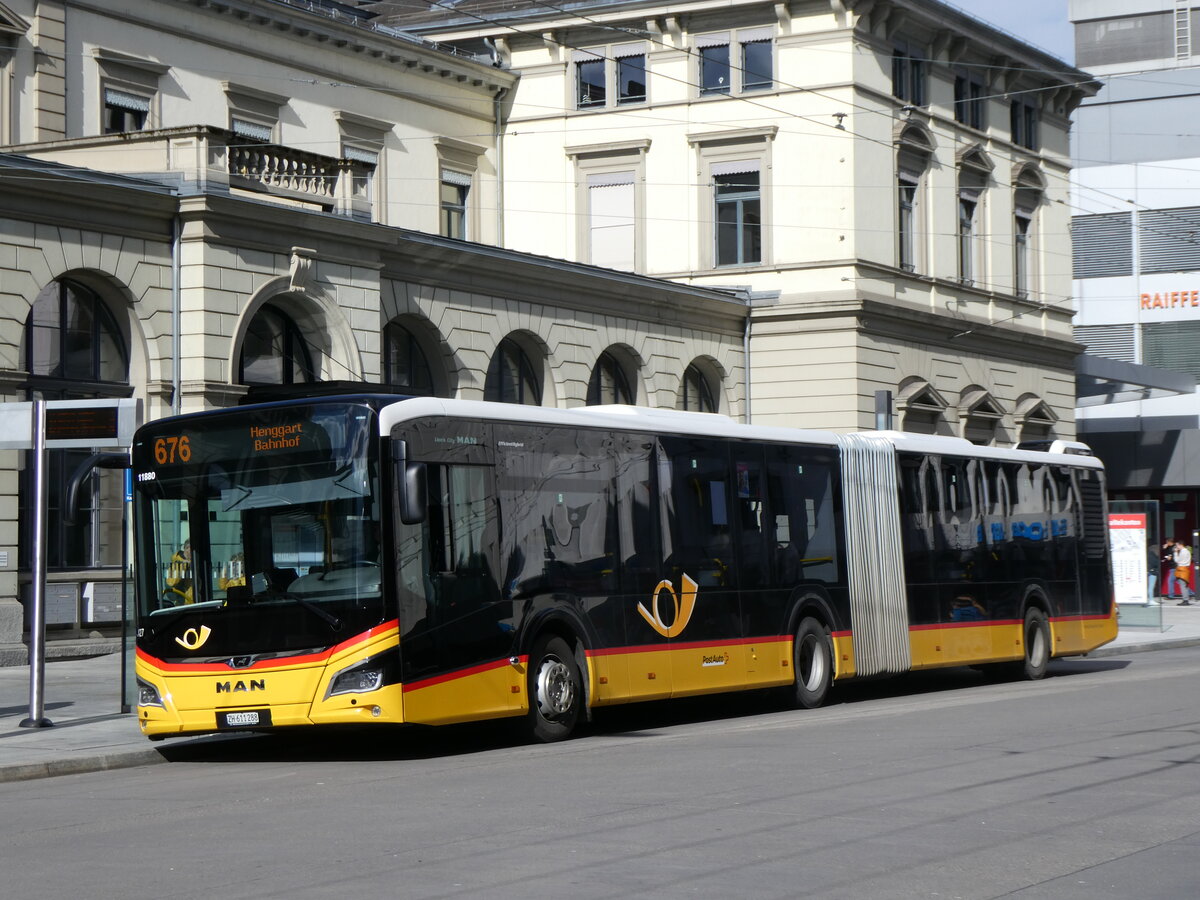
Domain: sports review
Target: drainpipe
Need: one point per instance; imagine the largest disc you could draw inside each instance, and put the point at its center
(176, 317)
(496, 101)
(746, 355)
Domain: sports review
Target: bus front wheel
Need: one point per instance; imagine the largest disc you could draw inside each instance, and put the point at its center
(1037, 645)
(813, 660)
(555, 690)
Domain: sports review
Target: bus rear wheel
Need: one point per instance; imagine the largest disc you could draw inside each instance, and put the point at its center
(813, 660)
(1037, 645)
(555, 690)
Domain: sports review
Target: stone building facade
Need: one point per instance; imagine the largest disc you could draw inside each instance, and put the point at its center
(163, 237)
(889, 178)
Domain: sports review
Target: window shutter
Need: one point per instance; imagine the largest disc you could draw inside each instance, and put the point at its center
(1102, 245)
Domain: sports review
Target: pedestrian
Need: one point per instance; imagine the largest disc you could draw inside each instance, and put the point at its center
(1180, 560)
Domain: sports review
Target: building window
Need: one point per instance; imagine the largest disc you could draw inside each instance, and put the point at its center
(1024, 116)
(697, 394)
(737, 214)
(275, 351)
(755, 64)
(590, 82)
(455, 191)
(404, 362)
(1172, 346)
(364, 162)
(1021, 225)
(972, 181)
(74, 350)
(967, 206)
(1102, 245)
(909, 75)
(757, 59)
(969, 101)
(1026, 198)
(458, 198)
(124, 111)
(715, 75)
(1128, 38)
(608, 383)
(906, 226)
(631, 74)
(617, 72)
(257, 132)
(363, 142)
(511, 377)
(912, 160)
(612, 235)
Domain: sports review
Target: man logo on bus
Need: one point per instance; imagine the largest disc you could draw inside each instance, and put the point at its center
(193, 639)
(685, 602)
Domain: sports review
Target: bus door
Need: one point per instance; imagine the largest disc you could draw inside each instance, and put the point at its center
(452, 614)
(696, 608)
(963, 568)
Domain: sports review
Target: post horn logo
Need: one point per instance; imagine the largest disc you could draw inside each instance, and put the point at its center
(194, 639)
(685, 602)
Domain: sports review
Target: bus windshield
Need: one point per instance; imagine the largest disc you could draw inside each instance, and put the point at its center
(265, 521)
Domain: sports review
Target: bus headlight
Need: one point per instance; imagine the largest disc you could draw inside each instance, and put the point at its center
(358, 679)
(148, 694)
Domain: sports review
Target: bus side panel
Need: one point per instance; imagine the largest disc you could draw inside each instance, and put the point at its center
(487, 691)
(644, 671)
(965, 645)
(1083, 634)
(843, 655)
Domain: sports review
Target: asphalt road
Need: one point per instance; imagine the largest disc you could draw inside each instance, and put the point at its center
(937, 785)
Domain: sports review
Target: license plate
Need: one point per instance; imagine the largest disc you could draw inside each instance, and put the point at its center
(249, 718)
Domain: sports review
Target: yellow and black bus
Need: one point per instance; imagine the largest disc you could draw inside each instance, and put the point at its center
(374, 559)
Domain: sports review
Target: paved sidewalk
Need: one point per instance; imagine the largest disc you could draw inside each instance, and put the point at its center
(90, 733)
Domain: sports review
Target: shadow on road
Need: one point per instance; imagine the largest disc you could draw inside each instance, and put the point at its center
(639, 720)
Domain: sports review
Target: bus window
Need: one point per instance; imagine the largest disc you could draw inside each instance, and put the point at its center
(696, 517)
(639, 553)
(754, 570)
(556, 492)
(804, 531)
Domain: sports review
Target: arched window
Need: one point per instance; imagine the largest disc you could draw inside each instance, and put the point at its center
(915, 149)
(697, 394)
(974, 174)
(74, 350)
(72, 338)
(274, 351)
(1027, 197)
(608, 383)
(511, 377)
(404, 362)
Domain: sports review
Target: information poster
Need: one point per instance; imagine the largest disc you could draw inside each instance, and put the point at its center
(1127, 539)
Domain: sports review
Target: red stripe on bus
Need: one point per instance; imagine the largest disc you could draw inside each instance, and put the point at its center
(688, 645)
(274, 663)
(973, 623)
(461, 673)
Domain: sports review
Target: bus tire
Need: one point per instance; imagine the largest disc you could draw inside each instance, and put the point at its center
(555, 690)
(1037, 644)
(812, 657)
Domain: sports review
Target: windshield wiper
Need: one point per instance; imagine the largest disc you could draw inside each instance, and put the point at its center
(324, 615)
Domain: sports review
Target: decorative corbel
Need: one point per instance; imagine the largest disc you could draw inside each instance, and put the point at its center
(783, 16)
(303, 269)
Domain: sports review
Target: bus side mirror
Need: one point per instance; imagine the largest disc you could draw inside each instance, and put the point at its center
(411, 484)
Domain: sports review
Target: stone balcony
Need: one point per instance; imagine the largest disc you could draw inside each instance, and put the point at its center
(206, 159)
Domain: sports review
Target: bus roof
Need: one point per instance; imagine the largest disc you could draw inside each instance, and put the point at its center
(670, 421)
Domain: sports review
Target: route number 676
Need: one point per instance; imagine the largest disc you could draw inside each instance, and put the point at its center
(168, 450)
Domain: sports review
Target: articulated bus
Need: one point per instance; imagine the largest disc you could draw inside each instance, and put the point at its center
(374, 559)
